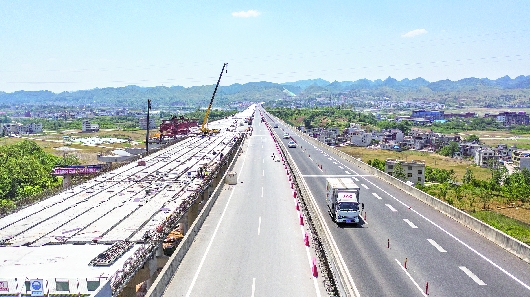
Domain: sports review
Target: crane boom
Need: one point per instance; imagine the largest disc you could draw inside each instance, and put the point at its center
(204, 129)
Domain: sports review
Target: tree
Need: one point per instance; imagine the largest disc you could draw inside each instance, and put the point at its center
(439, 175)
(399, 172)
(376, 163)
(468, 177)
(450, 149)
(473, 138)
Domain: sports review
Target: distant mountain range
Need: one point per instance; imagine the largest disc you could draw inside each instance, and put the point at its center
(134, 96)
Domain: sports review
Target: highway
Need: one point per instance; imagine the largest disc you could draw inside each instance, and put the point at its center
(251, 244)
(452, 259)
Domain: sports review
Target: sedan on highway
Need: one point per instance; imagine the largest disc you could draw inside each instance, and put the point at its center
(286, 135)
(291, 144)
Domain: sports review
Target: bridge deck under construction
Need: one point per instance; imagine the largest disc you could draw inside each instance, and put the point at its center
(58, 237)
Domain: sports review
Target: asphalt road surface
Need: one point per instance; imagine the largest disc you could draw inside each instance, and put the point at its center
(251, 244)
(452, 259)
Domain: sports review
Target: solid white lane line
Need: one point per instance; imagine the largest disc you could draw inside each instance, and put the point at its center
(259, 226)
(408, 274)
(347, 172)
(209, 245)
(364, 186)
(472, 276)
(391, 208)
(455, 238)
(356, 179)
(411, 224)
(437, 246)
(376, 196)
(253, 286)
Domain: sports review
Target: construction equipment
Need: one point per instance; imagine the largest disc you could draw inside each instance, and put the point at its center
(204, 127)
(176, 126)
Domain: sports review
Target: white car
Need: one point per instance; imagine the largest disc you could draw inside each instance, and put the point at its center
(286, 135)
(291, 144)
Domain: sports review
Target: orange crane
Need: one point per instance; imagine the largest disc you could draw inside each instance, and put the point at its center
(204, 127)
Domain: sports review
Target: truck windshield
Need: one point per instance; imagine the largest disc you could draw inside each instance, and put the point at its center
(352, 206)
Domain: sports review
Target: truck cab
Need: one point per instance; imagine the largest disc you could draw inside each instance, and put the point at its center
(342, 198)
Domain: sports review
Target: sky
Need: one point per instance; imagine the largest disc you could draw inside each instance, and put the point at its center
(69, 45)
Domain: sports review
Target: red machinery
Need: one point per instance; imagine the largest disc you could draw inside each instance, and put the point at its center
(177, 126)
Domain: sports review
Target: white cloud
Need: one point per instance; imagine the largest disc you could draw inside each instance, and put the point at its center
(414, 33)
(245, 14)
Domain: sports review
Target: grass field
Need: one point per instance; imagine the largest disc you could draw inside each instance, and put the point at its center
(432, 160)
(512, 227)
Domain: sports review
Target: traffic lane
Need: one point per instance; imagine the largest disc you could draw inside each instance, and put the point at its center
(456, 228)
(464, 253)
(504, 271)
(242, 259)
(372, 265)
(433, 271)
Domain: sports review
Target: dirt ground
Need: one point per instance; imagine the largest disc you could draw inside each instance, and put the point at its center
(53, 143)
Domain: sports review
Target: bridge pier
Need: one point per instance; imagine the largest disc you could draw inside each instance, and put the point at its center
(67, 181)
(145, 275)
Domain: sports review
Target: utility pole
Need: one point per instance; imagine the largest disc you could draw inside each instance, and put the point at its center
(147, 134)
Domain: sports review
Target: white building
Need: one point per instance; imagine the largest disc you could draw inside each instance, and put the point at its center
(88, 127)
(10, 128)
(414, 170)
(361, 138)
(485, 155)
(521, 159)
(31, 128)
(143, 123)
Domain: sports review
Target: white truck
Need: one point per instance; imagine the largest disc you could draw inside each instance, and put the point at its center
(342, 197)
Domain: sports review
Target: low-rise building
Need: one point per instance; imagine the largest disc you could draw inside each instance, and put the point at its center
(414, 170)
(521, 159)
(510, 118)
(361, 138)
(143, 123)
(89, 127)
(431, 115)
(31, 128)
(486, 157)
(10, 128)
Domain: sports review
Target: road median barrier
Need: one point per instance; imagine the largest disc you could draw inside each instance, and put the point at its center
(336, 277)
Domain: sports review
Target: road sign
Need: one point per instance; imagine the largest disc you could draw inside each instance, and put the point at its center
(36, 287)
(4, 286)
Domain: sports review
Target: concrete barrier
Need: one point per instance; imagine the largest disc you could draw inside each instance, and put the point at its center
(514, 246)
(165, 276)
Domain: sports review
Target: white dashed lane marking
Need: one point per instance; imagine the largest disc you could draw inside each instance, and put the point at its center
(437, 246)
(410, 223)
(472, 276)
